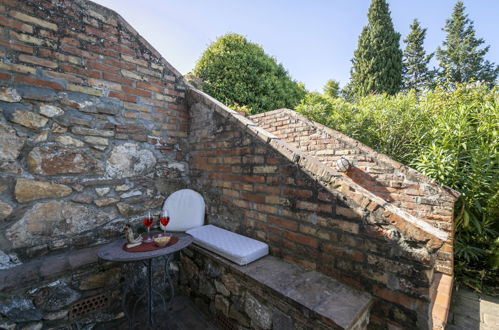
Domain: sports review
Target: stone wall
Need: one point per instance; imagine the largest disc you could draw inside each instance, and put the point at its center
(269, 294)
(395, 183)
(92, 133)
(260, 186)
(96, 128)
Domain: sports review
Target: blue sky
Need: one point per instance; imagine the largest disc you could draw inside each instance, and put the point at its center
(314, 40)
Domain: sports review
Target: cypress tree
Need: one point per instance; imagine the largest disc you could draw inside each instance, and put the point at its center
(332, 88)
(460, 58)
(377, 62)
(415, 61)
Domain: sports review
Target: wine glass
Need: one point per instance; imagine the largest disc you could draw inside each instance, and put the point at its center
(148, 221)
(164, 219)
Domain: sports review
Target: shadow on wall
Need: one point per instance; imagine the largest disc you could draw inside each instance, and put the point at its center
(471, 310)
(368, 182)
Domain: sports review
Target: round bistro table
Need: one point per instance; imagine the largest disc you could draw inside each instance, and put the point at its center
(114, 252)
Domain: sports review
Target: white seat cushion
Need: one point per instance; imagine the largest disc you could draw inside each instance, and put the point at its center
(237, 248)
(186, 210)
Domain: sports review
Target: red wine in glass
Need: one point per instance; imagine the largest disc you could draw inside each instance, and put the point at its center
(148, 221)
(164, 219)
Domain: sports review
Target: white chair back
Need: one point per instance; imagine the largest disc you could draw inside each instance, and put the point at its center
(186, 210)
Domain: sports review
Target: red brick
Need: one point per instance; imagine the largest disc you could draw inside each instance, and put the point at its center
(123, 97)
(283, 223)
(80, 71)
(150, 87)
(16, 25)
(302, 239)
(119, 64)
(118, 79)
(129, 114)
(17, 47)
(71, 41)
(299, 193)
(174, 106)
(253, 197)
(5, 76)
(344, 252)
(37, 82)
(397, 297)
(100, 33)
(37, 61)
(102, 67)
(103, 51)
(267, 189)
(135, 91)
(79, 52)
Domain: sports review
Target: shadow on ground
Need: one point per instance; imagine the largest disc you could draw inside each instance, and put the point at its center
(473, 311)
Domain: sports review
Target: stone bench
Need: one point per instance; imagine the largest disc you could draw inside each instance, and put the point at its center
(270, 294)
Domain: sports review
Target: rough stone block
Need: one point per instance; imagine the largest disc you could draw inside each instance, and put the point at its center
(47, 221)
(9, 95)
(36, 93)
(53, 159)
(28, 190)
(26, 118)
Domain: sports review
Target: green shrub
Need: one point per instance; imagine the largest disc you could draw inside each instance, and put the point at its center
(236, 70)
(452, 136)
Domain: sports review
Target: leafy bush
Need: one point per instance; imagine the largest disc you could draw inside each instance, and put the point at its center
(451, 135)
(236, 70)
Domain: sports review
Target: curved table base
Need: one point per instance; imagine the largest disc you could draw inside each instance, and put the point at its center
(132, 296)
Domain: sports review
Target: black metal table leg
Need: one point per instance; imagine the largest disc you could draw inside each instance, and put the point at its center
(166, 294)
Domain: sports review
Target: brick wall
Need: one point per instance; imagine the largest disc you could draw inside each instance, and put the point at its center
(93, 124)
(260, 186)
(96, 128)
(397, 184)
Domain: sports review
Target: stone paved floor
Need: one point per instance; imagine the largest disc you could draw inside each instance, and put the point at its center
(472, 311)
(184, 316)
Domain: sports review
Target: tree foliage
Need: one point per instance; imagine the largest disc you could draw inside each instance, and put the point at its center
(377, 62)
(332, 88)
(449, 134)
(236, 70)
(461, 59)
(416, 74)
